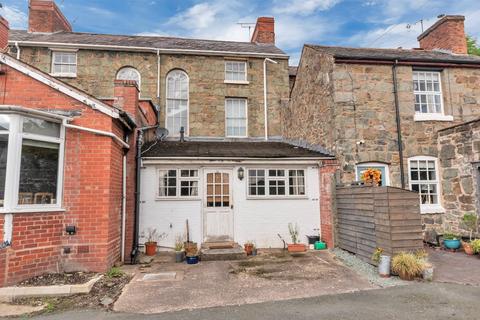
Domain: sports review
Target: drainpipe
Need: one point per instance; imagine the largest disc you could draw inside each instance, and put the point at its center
(124, 204)
(265, 106)
(18, 50)
(397, 118)
(158, 76)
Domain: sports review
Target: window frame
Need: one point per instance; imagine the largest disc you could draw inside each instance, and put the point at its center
(244, 81)
(64, 74)
(12, 177)
(427, 207)
(286, 178)
(179, 179)
(246, 118)
(374, 165)
(139, 82)
(187, 129)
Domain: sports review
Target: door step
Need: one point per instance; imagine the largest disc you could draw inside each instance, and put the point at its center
(219, 251)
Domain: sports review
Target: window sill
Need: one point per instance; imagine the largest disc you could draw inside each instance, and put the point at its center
(178, 199)
(431, 117)
(426, 209)
(236, 82)
(63, 75)
(278, 198)
(33, 210)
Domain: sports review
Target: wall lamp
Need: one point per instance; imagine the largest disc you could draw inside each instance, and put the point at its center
(241, 173)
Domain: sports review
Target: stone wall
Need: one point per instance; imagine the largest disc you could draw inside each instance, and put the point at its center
(459, 159)
(97, 70)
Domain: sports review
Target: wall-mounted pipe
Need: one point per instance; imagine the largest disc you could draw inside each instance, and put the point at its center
(265, 105)
(397, 118)
(100, 132)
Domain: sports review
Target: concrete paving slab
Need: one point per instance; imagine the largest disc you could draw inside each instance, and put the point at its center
(221, 283)
(10, 310)
(454, 267)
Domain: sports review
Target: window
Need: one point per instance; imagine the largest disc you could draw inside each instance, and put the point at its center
(428, 92)
(31, 163)
(177, 102)
(64, 63)
(236, 117)
(276, 182)
(383, 168)
(129, 73)
(177, 183)
(424, 180)
(235, 71)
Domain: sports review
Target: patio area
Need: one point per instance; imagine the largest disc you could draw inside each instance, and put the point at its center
(270, 276)
(454, 267)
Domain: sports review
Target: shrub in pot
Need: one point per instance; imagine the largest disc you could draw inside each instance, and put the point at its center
(248, 246)
(179, 253)
(475, 246)
(451, 241)
(151, 243)
(407, 265)
(295, 246)
(383, 262)
(471, 222)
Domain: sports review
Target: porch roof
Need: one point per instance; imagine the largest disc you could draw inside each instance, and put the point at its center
(228, 149)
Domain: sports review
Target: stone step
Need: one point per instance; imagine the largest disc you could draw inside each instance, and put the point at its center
(209, 252)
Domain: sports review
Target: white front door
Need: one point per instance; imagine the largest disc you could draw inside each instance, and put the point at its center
(218, 206)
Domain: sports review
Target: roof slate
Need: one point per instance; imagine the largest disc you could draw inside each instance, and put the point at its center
(145, 42)
(410, 55)
(222, 149)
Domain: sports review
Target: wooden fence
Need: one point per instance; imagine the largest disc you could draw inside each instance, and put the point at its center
(369, 217)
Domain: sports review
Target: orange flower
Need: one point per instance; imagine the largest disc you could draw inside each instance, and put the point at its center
(372, 176)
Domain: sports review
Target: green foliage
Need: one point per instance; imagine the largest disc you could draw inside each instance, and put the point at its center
(472, 47)
(293, 230)
(451, 236)
(376, 255)
(421, 254)
(407, 265)
(115, 272)
(475, 245)
(49, 307)
(471, 222)
(179, 242)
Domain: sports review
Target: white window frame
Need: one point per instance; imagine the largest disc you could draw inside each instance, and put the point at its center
(246, 118)
(64, 74)
(12, 178)
(244, 81)
(187, 129)
(139, 82)
(374, 164)
(179, 179)
(427, 208)
(267, 183)
(430, 116)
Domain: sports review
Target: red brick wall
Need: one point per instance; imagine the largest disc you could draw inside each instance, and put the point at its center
(4, 30)
(264, 30)
(92, 196)
(45, 16)
(327, 187)
(448, 33)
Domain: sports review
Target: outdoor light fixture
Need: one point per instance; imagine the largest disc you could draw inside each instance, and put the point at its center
(241, 173)
(71, 230)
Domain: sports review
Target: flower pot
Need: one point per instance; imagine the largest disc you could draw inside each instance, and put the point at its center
(254, 252)
(296, 247)
(406, 276)
(248, 248)
(313, 239)
(384, 266)
(452, 244)
(179, 256)
(467, 247)
(150, 248)
(192, 260)
(427, 273)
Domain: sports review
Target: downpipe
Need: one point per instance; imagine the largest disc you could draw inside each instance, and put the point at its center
(398, 123)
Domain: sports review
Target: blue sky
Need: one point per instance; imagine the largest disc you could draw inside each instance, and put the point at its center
(365, 23)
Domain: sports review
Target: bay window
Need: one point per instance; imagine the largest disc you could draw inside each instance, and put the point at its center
(31, 163)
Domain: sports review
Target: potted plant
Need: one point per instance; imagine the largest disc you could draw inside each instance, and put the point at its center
(407, 265)
(294, 246)
(192, 258)
(179, 253)
(152, 237)
(451, 240)
(382, 261)
(372, 176)
(254, 250)
(475, 246)
(471, 222)
(248, 246)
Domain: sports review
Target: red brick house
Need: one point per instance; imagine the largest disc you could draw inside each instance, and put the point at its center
(67, 171)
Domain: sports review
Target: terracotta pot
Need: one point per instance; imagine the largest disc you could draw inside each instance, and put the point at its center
(248, 248)
(297, 247)
(150, 248)
(405, 276)
(467, 247)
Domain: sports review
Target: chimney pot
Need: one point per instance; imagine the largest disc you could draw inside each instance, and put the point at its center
(264, 31)
(448, 33)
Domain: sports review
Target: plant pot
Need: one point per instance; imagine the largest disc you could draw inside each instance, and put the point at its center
(406, 276)
(296, 247)
(192, 259)
(179, 256)
(384, 266)
(190, 248)
(150, 248)
(467, 247)
(313, 239)
(427, 273)
(248, 248)
(452, 244)
(254, 252)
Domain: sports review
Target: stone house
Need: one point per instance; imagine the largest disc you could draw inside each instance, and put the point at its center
(383, 109)
(66, 161)
(224, 165)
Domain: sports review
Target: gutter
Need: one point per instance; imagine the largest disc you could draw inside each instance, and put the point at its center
(399, 128)
(419, 63)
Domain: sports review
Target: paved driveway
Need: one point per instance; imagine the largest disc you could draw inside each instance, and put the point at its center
(455, 267)
(268, 277)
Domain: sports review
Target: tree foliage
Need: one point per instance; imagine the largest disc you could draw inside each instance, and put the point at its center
(472, 46)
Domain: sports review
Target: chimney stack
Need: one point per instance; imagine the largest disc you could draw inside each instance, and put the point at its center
(448, 33)
(264, 31)
(4, 31)
(45, 16)
(126, 96)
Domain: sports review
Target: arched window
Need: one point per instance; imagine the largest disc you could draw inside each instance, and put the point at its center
(130, 73)
(382, 167)
(177, 102)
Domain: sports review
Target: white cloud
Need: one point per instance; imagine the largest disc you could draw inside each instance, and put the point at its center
(17, 18)
(201, 15)
(292, 32)
(303, 7)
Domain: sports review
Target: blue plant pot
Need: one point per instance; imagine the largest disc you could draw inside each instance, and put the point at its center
(192, 260)
(452, 244)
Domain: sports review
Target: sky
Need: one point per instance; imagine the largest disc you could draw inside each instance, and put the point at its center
(352, 23)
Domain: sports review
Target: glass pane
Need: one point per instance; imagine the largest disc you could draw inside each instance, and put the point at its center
(3, 165)
(38, 172)
(41, 127)
(4, 122)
